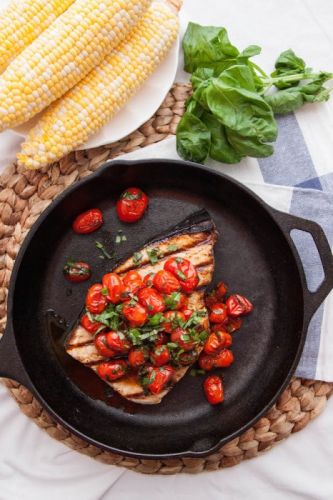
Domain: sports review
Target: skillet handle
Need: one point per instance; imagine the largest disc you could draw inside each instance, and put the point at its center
(312, 300)
(10, 362)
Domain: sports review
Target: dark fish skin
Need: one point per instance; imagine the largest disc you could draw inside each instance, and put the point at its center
(193, 238)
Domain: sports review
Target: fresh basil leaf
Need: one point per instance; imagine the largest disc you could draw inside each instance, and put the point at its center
(288, 63)
(249, 145)
(205, 46)
(193, 138)
(250, 51)
(220, 149)
(201, 75)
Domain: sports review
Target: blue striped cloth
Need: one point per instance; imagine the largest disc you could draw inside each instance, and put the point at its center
(290, 181)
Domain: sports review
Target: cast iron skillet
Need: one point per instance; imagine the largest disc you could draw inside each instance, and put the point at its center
(255, 255)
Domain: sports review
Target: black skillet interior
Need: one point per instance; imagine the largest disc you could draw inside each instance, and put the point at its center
(252, 256)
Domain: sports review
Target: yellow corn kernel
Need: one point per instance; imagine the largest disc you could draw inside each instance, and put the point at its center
(70, 121)
(22, 21)
(63, 54)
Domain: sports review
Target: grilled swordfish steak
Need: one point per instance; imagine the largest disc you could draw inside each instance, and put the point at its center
(146, 323)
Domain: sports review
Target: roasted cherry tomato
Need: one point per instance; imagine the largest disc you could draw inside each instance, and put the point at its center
(132, 283)
(115, 287)
(135, 313)
(187, 358)
(183, 339)
(76, 272)
(112, 370)
(160, 355)
(138, 356)
(222, 359)
(218, 313)
(213, 389)
(90, 326)
(184, 271)
(102, 346)
(165, 282)
(158, 378)
(161, 339)
(221, 290)
(187, 313)
(206, 361)
(95, 300)
(132, 204)
(238, 305)
(232, 324)
(151, 300)
(217, 341)
(148, 280)
(172, 320)
(175, 301)
(88, 221)
(118, 342)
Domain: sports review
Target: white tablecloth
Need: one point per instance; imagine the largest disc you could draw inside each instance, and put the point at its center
(33, 466)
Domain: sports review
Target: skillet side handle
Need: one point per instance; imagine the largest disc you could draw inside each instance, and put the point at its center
(10, 363)
(312, 300)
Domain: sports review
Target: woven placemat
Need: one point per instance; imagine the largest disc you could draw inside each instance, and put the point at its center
(23, 198)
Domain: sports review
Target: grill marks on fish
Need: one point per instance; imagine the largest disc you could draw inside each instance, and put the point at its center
(191, 243)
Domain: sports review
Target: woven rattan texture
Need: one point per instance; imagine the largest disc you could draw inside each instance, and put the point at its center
(23, 197)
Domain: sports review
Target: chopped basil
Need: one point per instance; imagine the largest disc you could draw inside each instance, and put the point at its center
(156, 320)
(172, 248)
(137, 258)
(172, 300)
(105, 253)
(172, 345)
(104, 291)
(110, 317)
(181, 275)
(153, 255)
(197, 371)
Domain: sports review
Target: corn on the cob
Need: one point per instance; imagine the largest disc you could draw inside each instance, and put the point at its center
(63, 54)
(68, 122)
(22, 21)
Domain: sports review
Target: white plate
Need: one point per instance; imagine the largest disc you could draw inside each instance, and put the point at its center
(137, 111)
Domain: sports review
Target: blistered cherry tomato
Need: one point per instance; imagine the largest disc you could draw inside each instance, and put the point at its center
(217, 341)
(112, 370)
(172, 320)
(148, 280)
(118, 342)
(175, 301)
(160, 355)
(218, 313)
(88, 221)
(184, 271)
(115, 287)
(135, 313)
(187, 358)
(90, 326)
(165, 282)
(102, 346)
(213, 389)
(132, 282)
(232, 324)
(152, 300)
(138, 356)
(221, 290)
(76, 272)
(183, 339)
(158, 378)
(238, 305)
(161, 338)
(132, 204)
(95, 300)
(187, 313)
(222, 359)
